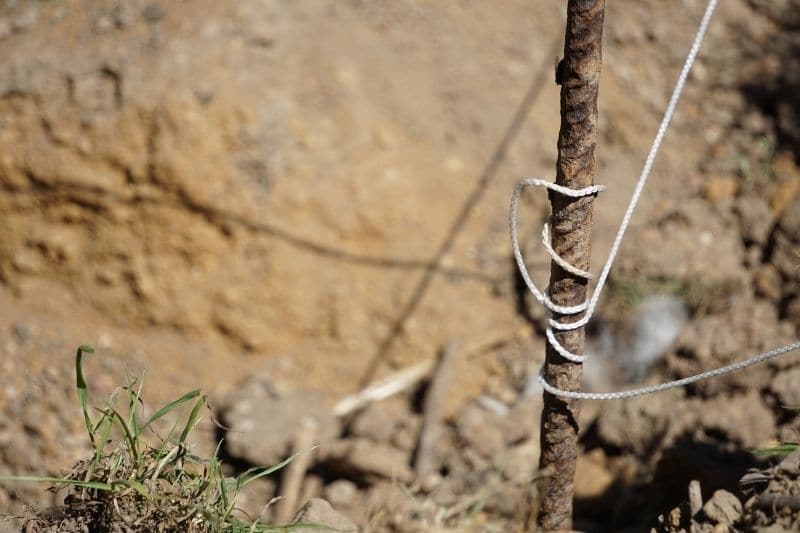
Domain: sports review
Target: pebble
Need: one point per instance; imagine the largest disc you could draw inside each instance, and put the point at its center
(755, 219)
(153, 13)
(768, 283)
(791, 463)
(786, 386)
(723, 507)
(363, 458)
(320, 513)
(341, 492)
(718, 188)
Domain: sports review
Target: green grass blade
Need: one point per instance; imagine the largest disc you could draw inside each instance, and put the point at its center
(127, 433)
(783, 449)
(170, 406)
(134, 399)
(166, 441)
(173, 453)
(73, 482)
(132, 483)
(190, 423)
(264, 528)
(80, 386)
(251, 474)
(106, 423)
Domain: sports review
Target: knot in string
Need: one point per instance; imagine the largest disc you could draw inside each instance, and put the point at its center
(545, 300)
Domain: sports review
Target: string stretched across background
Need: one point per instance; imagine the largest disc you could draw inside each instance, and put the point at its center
(589, 306)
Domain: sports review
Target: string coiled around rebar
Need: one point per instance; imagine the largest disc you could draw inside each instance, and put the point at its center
(588, 307)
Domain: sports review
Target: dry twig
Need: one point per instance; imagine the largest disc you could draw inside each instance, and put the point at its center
(430, 434)
(296, 471)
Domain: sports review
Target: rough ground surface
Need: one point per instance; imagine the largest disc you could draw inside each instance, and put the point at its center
(266, 198)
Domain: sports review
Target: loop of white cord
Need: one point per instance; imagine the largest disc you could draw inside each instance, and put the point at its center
(589, 306)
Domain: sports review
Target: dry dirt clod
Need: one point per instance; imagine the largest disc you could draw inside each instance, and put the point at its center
(478, 430)
(318, 511)
(719, 188)
(723, 507)
(367, 460)
(263, 421)
(786, 386)
(790, 465)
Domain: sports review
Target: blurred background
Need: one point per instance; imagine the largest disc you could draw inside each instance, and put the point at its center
(284, 202)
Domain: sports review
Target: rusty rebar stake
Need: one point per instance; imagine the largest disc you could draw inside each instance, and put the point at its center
(579, 76)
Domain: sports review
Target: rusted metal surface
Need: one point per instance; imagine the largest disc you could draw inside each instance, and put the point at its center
(579, 76)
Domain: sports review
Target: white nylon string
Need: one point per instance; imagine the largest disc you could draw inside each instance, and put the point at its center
(589, 306)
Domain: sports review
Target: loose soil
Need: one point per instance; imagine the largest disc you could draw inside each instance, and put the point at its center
(303, 197)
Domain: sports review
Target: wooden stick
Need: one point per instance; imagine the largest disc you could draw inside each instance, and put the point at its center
(579, 76)
(296, 471)
(397, 382)
(430, 434)
(408, 377)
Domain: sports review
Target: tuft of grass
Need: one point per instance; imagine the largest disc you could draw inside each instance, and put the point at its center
(137, 480)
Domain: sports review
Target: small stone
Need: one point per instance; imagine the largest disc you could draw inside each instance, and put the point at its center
(522, 421)
(791, 463)
(104, 24)
(443, 494)
(788, 176)
(768, 283)
(28, 261)
(786, 386)
(520, 463)
(430, 482)
(718, 188)
(22, 332)
(26, 20)
(320, 513)
(504, 501)
(742, 418)
(5, 29)
(377, 422)
(755, 219)
(593, 477)
(341, 492)
(723, 508)
(406, 435)
(474, 425)
(453, 164)
(153, 13)
(123, 16)
(372, 460)
(793, 310)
